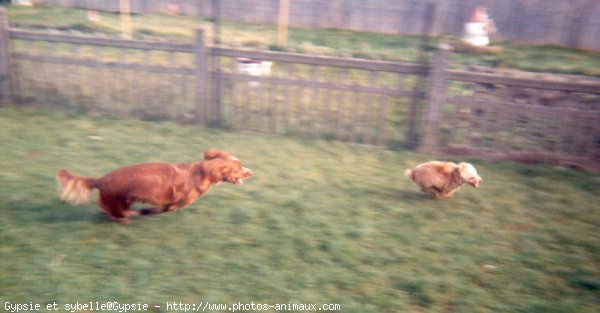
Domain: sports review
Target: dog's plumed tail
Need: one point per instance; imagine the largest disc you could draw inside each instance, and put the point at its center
(74, 189)
(409, 173)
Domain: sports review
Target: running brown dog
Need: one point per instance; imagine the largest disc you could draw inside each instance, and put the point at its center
(167, 186)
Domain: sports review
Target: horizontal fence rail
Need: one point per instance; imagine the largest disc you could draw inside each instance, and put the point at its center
(103, 42)
(485, 78)
(371, 65)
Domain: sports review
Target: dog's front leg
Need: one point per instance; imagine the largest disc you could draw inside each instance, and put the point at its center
(169, 207)
(163, 209)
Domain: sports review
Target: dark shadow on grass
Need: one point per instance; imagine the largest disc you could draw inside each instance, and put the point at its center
(399, 194)
(413, 195)
(388, 191)
(57, 212)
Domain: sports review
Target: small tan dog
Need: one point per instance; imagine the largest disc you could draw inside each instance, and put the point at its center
(442, 179)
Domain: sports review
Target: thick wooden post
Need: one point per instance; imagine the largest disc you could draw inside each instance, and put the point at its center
(216, 111)
(412, 132)
(6, 85)
(436, 96)
(216, 19)
(201, 56)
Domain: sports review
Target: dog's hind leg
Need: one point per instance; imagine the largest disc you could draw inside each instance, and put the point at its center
(117, 209)
(432, 190)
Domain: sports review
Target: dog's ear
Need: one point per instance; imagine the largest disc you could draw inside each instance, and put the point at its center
(216, 173)
(449, 168)
(214, 154)
(197, 168)
(456, 171)
(213, 169)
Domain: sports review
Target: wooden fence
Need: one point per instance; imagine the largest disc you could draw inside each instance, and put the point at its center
(150, 80)
(347, 99)
(364, 101)
(516, 115)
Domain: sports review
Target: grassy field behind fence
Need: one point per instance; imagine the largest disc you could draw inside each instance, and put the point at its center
(320, 222)
(314, 41)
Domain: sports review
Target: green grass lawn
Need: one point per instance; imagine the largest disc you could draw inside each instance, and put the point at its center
(314, 41)
(320, 222)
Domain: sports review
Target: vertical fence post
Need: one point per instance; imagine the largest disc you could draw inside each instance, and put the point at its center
(6, 91)
(436, 96)
(216, 19)
(216, 110)
(215, 80)
(412, 132)
(282, 23)
(125, 10)
(201, 57)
